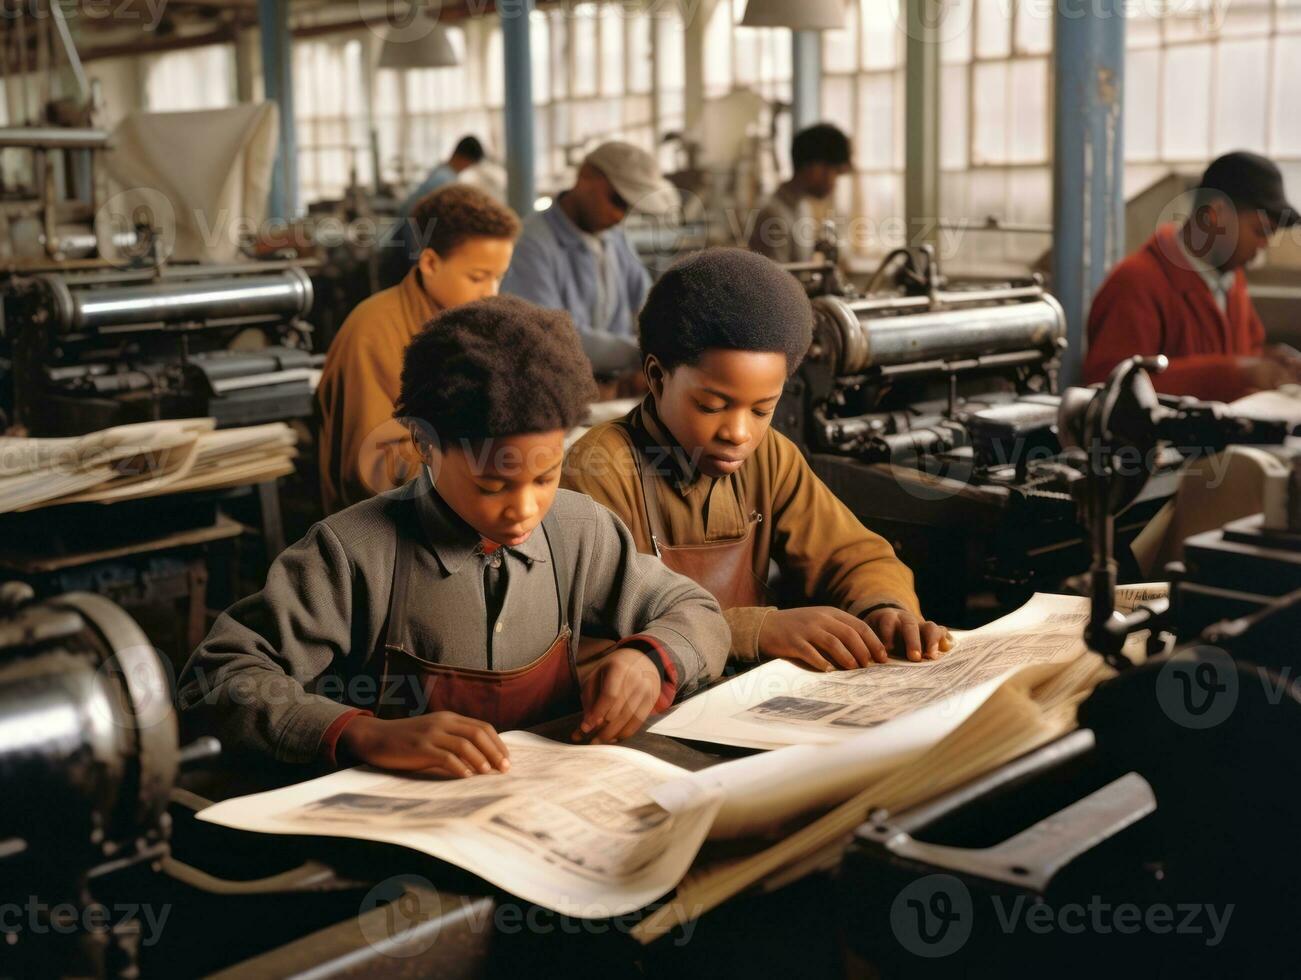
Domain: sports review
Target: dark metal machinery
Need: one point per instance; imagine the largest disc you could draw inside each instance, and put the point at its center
(931, 411)
(90, 350)
(1157, 837)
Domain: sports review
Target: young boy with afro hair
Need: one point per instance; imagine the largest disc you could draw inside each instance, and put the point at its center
(407, 630)
(701, 481)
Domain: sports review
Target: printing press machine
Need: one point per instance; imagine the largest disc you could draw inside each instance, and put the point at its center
(1156, 838)
(931, 411)
(89, 350)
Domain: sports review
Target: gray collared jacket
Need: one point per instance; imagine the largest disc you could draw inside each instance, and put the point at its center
(281, 665)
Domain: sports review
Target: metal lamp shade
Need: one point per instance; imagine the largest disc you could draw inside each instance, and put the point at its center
(432, 49)
(798, 15)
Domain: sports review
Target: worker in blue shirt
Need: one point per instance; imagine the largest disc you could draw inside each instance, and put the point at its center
(574, 256)
(399, 248)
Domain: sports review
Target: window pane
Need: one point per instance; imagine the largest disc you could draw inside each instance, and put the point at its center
(954, 113)
(1028, 114)
(993, 29)
(718, 47)
(611, 51)
(840, 47)
(558, 32)
(874, 144)
(639, 52)
(989, 125)
(957, 30)
(1142, 89)
(1241, 96)
(1287, 82)
(1034, 27)
(495, 67)
(583, 52)
(540, 50)
(1185, 103)
(881, 33)
(838, 98)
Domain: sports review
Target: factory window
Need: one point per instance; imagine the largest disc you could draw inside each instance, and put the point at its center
(200, 78)
(1201, 77)
(862, 92)
(330, 94)
(592, 81)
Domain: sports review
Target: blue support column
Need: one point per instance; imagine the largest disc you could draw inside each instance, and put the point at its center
(518, 108)
(1088, 160)
(806, 79)
(278, 75)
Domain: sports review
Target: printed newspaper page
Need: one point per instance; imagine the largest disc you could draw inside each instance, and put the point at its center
(571, 828)
(780, 703)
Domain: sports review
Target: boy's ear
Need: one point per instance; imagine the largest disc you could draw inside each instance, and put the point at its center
(656, 375)
(429, 262)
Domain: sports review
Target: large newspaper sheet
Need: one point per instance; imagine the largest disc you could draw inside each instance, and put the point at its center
(780, 703)
(599, 831)
(571, 828)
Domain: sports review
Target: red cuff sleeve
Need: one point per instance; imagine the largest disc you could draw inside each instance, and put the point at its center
(330, 740)
(663, 663)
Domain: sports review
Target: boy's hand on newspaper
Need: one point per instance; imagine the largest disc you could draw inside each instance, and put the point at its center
(823, 637)
(442, 742)
(618, 696)
(908, 635)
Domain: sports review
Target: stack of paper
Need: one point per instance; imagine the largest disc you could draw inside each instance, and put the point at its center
(128, 462)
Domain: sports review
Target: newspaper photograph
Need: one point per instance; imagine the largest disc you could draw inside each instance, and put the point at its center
(572, 828)
(781, 703)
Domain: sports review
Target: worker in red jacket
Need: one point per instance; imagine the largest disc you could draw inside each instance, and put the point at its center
(1184, 293)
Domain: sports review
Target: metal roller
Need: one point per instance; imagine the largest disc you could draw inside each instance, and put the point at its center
(856, 336)
(87, 735)
(284, 293)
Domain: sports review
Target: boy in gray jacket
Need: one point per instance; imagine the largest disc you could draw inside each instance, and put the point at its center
(405, 631)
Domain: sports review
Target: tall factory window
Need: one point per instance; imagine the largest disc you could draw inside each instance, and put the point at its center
(330, 87)
(862, 92)
(1201, 77)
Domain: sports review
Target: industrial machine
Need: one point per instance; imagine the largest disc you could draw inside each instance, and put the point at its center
(931, 411)
(88, 350)
(1155, 838)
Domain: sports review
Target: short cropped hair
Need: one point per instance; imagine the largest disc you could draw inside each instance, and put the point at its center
(496, 367)
(821, 143)
(448, 216)
(470, 148)
(725, 298)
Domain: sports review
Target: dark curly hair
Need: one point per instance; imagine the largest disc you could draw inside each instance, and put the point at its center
(496, 367)
(725, 298)
(448, 216)
(820, 143)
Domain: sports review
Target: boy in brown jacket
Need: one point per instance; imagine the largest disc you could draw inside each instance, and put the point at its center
(467, 248)
(701, 482)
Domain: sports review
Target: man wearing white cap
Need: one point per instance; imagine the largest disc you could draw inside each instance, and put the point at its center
(574, 257)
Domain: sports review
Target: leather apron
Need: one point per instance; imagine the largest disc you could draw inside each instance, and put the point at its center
(545, 689)
(723, 568)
